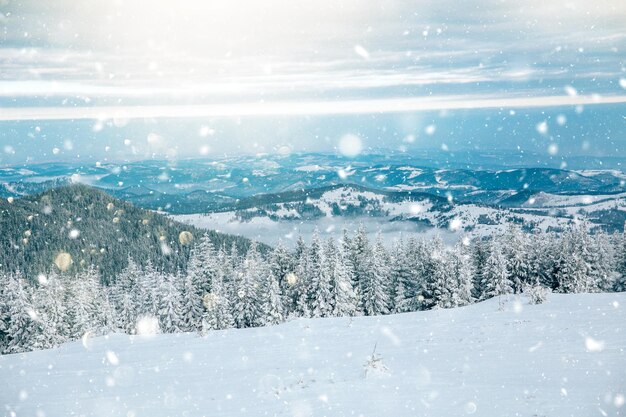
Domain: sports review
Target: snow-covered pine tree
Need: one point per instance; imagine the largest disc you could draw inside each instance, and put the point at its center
(360, 255)
(418, 254)
(217, 307)
(495, 276)
(271, 301)
(317, 273)
(620, 258)
(300, 290)
(147, 294)
(539, 259)
(125, 314)
(480, 253)
(281, 263)
(191, 310)
(376, 287)
(4, 310)
(124, 295)
(202, 265)
(601, 262)
(169, 310)
(462, 274)
(246, 306)
(345, 299)
(23, 327)
(402, 279)
(48, 301)
(515, 246)
(571, 271)
(83, 304)
(436, 292)
(350, 254)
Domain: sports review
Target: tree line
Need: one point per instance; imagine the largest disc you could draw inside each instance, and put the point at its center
(222, 289)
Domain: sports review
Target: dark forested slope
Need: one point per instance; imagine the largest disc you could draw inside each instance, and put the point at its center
(92, 228)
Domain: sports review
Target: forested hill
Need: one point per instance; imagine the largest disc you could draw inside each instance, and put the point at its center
(92, 228)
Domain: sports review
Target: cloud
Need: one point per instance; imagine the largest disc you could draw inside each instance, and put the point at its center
(302, 108)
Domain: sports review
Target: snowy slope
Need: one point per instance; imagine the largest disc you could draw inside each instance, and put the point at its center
(564, 358)
(419, 214)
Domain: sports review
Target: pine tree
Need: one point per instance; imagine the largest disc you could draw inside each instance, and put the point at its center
(376, 288)
(246, 305)
(462, 277)
(571, 271)
(191, 306)
(516, 252)
(272, 305)
(169, 310)
(217, 314)
(435, 290)
(4, 311)
(601, 261)
(50, 305)
(202, 266)
(360, 255)
(281, 264)
(345, 299)
(320, 302)
(495, 276)
(147, 294)
(23, 327)
(124, 295)
(297, 291)
(85, 304)
(480, 253)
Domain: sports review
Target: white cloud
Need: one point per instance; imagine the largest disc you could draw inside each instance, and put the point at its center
(294, 108)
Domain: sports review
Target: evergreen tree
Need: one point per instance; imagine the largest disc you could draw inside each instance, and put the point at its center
(516, 252)
(462, 275)
(203, 266)
(4, 311)
(217, 314)
(318, 277)
(23, 327)
(345, 299)
(496, 281)
(169, 310)
(191, 306)
(49, 303)
(435, 289)
(147, 294)
(272, 304)
(361, 256)
(124, 295)
(375, 289)
(86, 301)
(281, 263)
(246, 308)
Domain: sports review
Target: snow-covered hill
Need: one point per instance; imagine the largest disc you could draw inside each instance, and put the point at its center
(563, 358)
(331, 209)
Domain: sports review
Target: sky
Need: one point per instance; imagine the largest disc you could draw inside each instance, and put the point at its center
(129, 80)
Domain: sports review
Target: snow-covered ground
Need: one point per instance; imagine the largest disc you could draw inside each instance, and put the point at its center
(420, 218)
(563, 358)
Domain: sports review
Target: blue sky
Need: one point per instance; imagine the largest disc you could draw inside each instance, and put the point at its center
(138, 79)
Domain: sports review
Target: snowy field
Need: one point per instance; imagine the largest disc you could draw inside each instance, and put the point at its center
(563, 358)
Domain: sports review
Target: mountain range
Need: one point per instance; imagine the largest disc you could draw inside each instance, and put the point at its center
(283, 194)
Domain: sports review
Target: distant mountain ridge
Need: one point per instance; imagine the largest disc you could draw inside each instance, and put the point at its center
(195, 186)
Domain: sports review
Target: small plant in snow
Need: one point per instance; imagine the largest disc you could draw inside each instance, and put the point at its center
(537, 294)
(375, 366)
